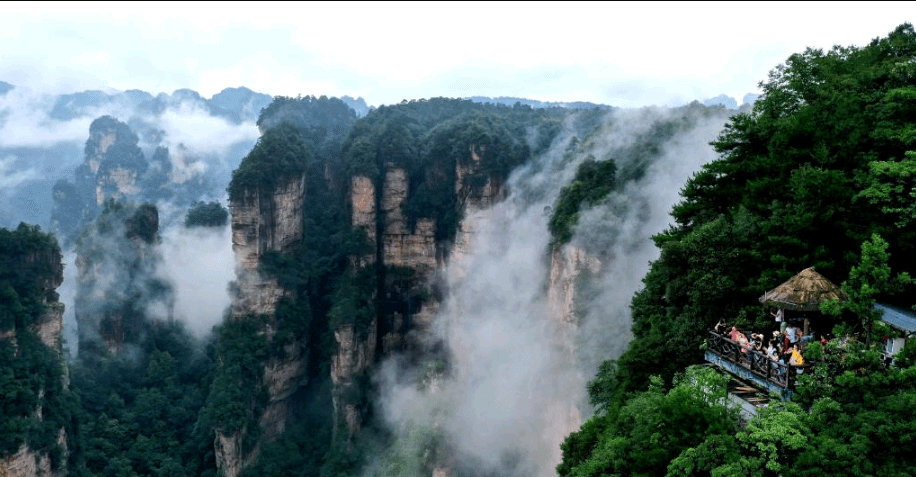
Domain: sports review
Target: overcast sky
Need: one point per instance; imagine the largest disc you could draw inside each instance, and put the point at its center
(612, 53)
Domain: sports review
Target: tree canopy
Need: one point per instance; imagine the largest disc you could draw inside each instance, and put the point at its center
(819, 170)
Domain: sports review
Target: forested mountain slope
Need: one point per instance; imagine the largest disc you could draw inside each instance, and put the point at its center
(819, 173)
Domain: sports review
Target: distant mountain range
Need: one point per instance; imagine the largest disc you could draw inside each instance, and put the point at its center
(42, 140)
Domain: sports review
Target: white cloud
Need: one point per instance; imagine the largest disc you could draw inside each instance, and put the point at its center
(25, 121)
(193, 127)
(199, 265)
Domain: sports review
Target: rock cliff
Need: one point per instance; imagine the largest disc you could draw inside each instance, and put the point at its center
(570, 269)
(264, 222)
(261, 223)
(404, 256)
(46, 268)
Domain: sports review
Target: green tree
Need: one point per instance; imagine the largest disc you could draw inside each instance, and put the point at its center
(206, 214)
(652, 428)
(870, 278)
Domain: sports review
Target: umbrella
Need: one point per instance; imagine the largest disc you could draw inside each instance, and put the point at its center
(803, 292)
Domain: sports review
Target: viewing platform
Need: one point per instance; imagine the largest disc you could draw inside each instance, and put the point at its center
(752, 365)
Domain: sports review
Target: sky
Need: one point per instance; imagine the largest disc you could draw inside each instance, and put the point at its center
(623, 54)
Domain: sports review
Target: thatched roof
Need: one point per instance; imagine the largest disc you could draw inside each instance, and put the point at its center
(803, 292)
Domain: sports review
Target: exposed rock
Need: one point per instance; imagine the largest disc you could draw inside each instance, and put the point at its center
(570, 268)
(442, 472)
(50, 326)
(362, 196)
(282, 377)
(569, 265)
(26, 463)
(353, 357)
(400, 247)
(362, 200)
(228, 453)
(469, 196)
(262, 223)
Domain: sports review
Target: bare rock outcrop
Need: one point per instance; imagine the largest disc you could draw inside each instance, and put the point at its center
(264, 222)
(353, 357)
(401, 247)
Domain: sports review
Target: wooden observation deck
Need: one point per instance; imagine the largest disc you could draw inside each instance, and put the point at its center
(751, 365)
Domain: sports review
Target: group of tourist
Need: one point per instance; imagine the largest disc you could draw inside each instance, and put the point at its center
(783, 347)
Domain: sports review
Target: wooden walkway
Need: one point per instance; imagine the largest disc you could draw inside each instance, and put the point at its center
(752, 365)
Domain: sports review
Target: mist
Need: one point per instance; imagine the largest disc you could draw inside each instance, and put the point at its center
(199, 264)
(514, 384)
(42, 137)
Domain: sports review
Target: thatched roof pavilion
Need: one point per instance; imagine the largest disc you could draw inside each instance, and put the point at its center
(803, 292)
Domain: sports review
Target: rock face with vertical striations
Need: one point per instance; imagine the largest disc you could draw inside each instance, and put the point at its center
(265, 222)
(401, 247)
(261, 223)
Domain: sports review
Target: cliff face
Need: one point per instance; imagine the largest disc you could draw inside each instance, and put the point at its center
(264, 222)
(47, 268)
(570, 271)
(405, 256)
(28, 463)
(114, 168)
(570, 268)
(261, 223)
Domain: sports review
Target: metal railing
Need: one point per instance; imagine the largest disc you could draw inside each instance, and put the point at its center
(782, 375)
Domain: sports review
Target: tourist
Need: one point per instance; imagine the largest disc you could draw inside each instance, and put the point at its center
(793, 333)
(734, 334)
(796, 359)
(771, 352)
(720, 327)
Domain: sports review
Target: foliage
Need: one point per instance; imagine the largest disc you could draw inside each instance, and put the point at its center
(280, 154)
(206, 214)
(354, 302)
(817, 172)
(303, 448)
(31, 376)
(651, 429)
(784, 195)
(236, 392)
(322, 122)
(868, 279)
(593, 181)
(430, 139)
(29, 260)
(31, 373)
(139, 414)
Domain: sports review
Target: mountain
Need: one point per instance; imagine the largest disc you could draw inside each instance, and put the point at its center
(511, 101)
(722, 100)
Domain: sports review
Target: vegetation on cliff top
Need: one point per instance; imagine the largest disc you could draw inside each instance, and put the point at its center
(593, 182)
(29, 259)
(281, 154)
(206, 214)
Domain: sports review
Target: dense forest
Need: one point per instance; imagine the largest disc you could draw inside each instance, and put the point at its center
(818, 173)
